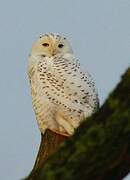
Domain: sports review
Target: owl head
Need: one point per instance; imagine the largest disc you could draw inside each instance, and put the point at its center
(51, 45)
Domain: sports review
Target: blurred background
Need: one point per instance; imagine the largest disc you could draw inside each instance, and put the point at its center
(99, 32)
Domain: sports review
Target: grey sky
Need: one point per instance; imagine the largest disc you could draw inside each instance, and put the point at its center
(99, 32)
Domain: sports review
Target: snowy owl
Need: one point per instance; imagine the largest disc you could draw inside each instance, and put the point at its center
(62, 94)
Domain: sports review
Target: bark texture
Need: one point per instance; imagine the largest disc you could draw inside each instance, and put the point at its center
(50, 141)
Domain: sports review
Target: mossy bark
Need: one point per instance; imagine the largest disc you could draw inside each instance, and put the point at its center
(100, 148)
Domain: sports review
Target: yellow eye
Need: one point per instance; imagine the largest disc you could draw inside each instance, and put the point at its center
(60, 45)
(45, 44)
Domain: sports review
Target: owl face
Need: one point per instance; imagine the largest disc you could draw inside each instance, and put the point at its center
(51, 45)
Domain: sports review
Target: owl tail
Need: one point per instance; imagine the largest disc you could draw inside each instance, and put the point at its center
(49, 143)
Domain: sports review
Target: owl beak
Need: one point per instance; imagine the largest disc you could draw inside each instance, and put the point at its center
(54, 52)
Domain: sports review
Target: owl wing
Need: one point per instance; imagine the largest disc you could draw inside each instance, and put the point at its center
(66, 85)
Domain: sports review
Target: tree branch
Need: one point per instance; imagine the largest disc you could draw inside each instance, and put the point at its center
(50, 141)
(100, 148)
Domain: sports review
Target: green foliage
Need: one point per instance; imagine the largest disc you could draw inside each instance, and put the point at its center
(100, 148)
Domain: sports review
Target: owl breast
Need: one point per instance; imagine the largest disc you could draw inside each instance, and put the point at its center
(62, 95)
